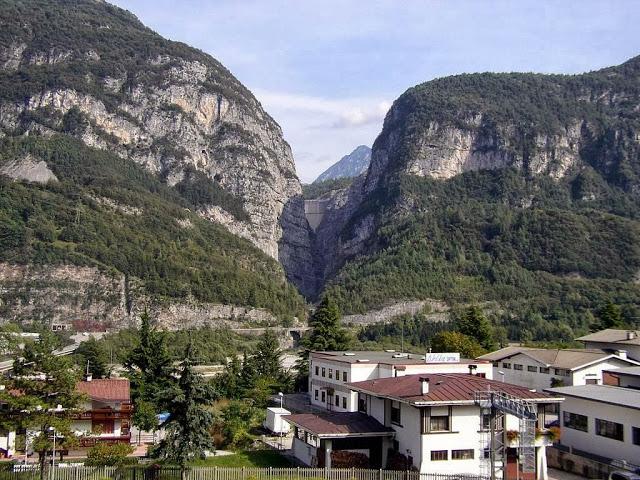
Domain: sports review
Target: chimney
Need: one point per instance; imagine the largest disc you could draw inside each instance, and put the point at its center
(622, 354)
(631, 335)
(424, 385)
(88, 377)
(472, 368)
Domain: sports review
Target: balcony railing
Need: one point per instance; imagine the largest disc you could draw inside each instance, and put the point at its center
(103, 414)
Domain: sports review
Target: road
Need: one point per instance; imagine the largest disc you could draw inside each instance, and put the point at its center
(560, 475)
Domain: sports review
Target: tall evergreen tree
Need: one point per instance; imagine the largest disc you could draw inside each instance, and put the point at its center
(327, 334)
(47, 397)
(149, 368)
(189, 423)
(474, 324)
(610, 316)
(92, 356)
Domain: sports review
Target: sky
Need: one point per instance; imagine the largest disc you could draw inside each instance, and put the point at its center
(328, 70)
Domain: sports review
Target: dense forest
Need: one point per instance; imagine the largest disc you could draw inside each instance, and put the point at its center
(108, 212)
(542, 253)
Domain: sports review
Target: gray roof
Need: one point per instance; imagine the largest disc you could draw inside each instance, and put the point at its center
(377, 356)
(568, 358)
(625, 397)
(612, 335)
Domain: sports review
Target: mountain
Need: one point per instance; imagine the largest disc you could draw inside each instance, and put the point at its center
(348, 166)
(137, 170)
(517, 191)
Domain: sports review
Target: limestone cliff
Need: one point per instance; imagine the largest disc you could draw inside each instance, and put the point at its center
(94, 71)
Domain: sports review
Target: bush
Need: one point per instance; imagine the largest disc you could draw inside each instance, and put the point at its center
(104, 454)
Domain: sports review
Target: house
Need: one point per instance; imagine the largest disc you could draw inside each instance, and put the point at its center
(330, 372)
(106, 414)
(541, 368)
(614, 340)
(444, 423)
(601, 421)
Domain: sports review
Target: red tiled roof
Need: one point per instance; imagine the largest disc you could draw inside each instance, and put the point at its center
(451, 387)
(338, 424)
(106, 389)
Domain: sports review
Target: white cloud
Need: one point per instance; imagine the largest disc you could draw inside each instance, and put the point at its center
(322, 130)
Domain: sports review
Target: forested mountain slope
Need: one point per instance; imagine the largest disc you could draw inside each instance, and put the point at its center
(153, 153)
(517, 189)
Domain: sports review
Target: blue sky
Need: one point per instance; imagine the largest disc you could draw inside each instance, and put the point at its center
(328, 70)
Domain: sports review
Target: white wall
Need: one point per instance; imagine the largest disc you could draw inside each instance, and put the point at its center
(465, 425)
(540, 381)
(304, 452)
(8, 442)
(592, 443)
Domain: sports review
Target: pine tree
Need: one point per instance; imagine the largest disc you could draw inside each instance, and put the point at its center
(467, 346)
(189, 423)
(327, 335)
(92, 356)
(610, 316)
(266, 357)
(149, 369)
(474, 324)
(47, 396)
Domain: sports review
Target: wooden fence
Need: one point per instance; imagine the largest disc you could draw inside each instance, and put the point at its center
(217, 473)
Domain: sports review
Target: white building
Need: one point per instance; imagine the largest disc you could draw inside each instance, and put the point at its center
(432, 423)
(7, 443)
(542, 368)
(613, 340)
(330, 372)
(601, 420)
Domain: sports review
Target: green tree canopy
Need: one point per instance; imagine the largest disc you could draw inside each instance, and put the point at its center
(91, 355)
(189, 423)
(47, 396)
(610, 316)
(467, 346)
(474, 324)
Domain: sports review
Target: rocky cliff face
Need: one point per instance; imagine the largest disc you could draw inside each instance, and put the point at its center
(93, 71)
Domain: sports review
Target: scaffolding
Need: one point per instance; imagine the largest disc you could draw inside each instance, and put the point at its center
(494, 405)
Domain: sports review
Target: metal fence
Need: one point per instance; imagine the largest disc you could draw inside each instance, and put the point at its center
(218, 473)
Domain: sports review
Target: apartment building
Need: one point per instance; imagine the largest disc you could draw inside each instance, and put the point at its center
(330, 372)
(542, 368)
(614, 340)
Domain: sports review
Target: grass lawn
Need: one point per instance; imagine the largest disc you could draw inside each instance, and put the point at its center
(255, 458)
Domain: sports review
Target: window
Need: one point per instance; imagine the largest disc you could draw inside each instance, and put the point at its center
(324, 397)
(395, 412)
(439, 423)
(462, 454)
(576, 421)
(506, 365)
(344, 402)
(635, 435)
(337, 401)
(517, 366)
(344, 376)
(495, 363)
(323, 371)
(331, 373)
(591, 381)
(532, 368)
(562, 372)
(315, 394)
(317, 371)
(362, 403)
(439, 455)
(486, 422)
(608, 429)
(544, 369)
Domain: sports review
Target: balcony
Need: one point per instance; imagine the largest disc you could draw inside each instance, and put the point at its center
(104, 414)
(544, 437)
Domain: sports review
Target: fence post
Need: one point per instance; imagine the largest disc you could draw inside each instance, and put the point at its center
(243, 477)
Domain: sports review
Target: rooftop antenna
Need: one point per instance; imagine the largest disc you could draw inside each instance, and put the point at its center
(402, 337)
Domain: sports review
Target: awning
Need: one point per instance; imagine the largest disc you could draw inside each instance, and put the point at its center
(339, 425)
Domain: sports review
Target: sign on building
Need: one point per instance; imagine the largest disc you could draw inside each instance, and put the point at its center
(444, 357)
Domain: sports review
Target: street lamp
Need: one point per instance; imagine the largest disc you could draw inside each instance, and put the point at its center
(501, 373)
(281, 395)
(53, 454)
